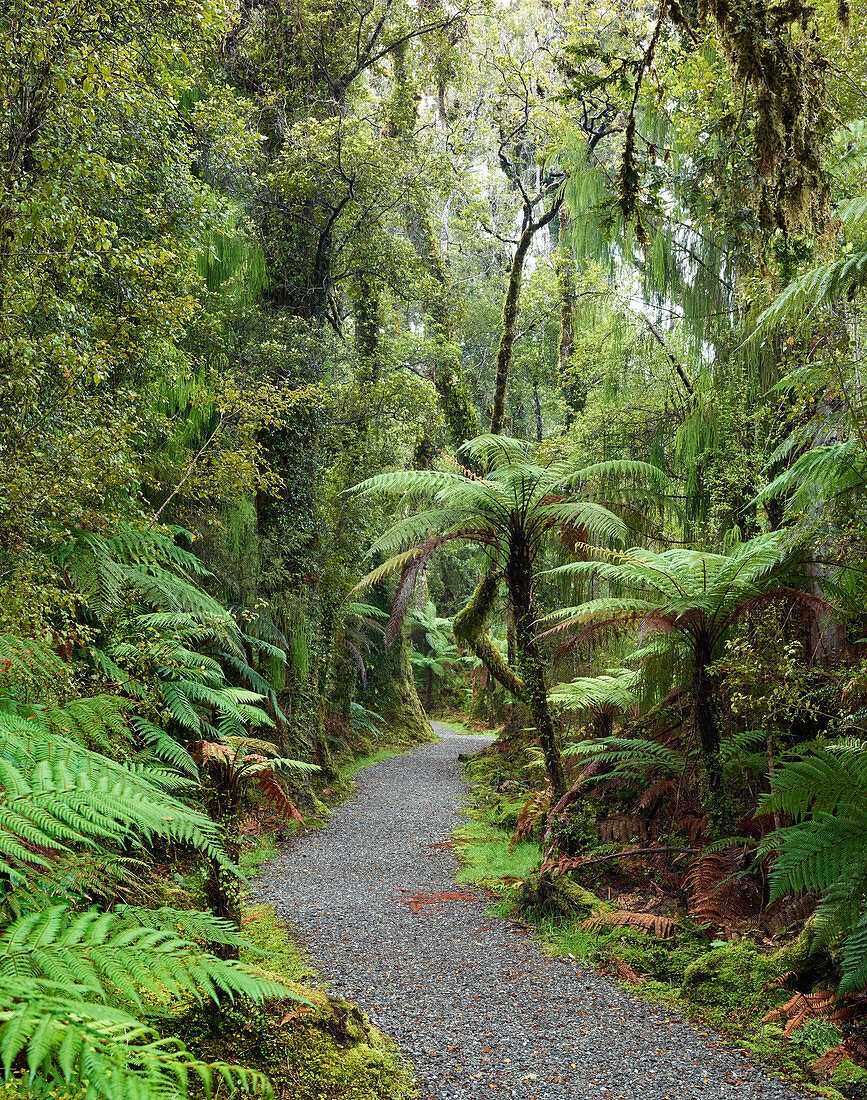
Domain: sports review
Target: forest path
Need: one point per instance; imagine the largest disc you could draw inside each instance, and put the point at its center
(474, 1004)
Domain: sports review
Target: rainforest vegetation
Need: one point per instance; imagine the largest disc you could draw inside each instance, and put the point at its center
(365, 361)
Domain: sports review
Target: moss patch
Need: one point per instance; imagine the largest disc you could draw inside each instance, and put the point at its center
(324, 1050)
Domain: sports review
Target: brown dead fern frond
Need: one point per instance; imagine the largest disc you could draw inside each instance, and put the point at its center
(535, 808)
(691, 821)
(786, 911)
(274, 794)
(655, 793)
(826, 1063)
(663, 927)
(626, 973)
(562, 865)
(809, 1006)
(622, 829)
(715, 896)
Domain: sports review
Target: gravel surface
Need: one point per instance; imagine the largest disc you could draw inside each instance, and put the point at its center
(474, 1005)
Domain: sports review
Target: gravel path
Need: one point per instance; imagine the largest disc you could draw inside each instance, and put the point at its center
(474, 1005)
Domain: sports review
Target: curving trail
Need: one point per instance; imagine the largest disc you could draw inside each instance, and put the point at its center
(472, 1002)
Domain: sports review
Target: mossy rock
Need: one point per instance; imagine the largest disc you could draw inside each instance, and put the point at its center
(734, 978)
(324, 1050)
(317, 1048)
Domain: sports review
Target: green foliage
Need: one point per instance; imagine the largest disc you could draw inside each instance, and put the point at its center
(732, 981)
(688, 591)
(611, 691)
(70, 976)
(821, 287)
(823, 852)
(630, 756)
(61, 794)
(67, 1039)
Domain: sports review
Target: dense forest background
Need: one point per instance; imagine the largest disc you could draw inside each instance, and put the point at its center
(359, 360)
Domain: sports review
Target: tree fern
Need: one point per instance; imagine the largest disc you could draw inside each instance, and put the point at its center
(26, 663)
(165, 748)
(631, 756)
(612, 690)
(694, 599)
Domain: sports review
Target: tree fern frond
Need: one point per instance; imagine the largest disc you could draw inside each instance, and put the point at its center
(831, 470)
(164, 747)
(106, 955)
(27, 661)
(815, 289)
(63, 1037)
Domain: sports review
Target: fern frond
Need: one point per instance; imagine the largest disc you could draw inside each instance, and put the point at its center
(663, 927)
(105, 955)
(62, 1037)
(164, 747)
(814, 290)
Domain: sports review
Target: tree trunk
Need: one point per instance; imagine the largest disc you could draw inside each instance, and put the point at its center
(704, 689)
(457, 409)
(507, 336)
(538, 410)
(519, 577)
(391, 685)
(510, 313)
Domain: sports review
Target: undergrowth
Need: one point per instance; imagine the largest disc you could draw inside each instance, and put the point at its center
(726, 985)
(488, 860)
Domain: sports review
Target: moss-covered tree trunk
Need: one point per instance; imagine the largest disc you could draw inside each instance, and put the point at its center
(393, 692)
(510, 311)
(704, 695)
(519, 578)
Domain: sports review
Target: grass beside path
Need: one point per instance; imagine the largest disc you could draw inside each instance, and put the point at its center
(460, 725)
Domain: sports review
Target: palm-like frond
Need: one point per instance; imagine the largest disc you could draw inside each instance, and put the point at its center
(836, 469)
(630, 757)
(613, 690)
(824, 284)
(686, 589)
(817, 288)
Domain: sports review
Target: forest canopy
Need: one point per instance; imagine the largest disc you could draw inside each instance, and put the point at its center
(365, 362)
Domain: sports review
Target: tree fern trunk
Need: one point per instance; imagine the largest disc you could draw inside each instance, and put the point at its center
(519, 577)
(704, 691)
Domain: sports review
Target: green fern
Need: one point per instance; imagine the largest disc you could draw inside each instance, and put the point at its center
(107, 956)
(825, 851)
(58, 793)
(630, 756)
(27, 664)
(62, 1037)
